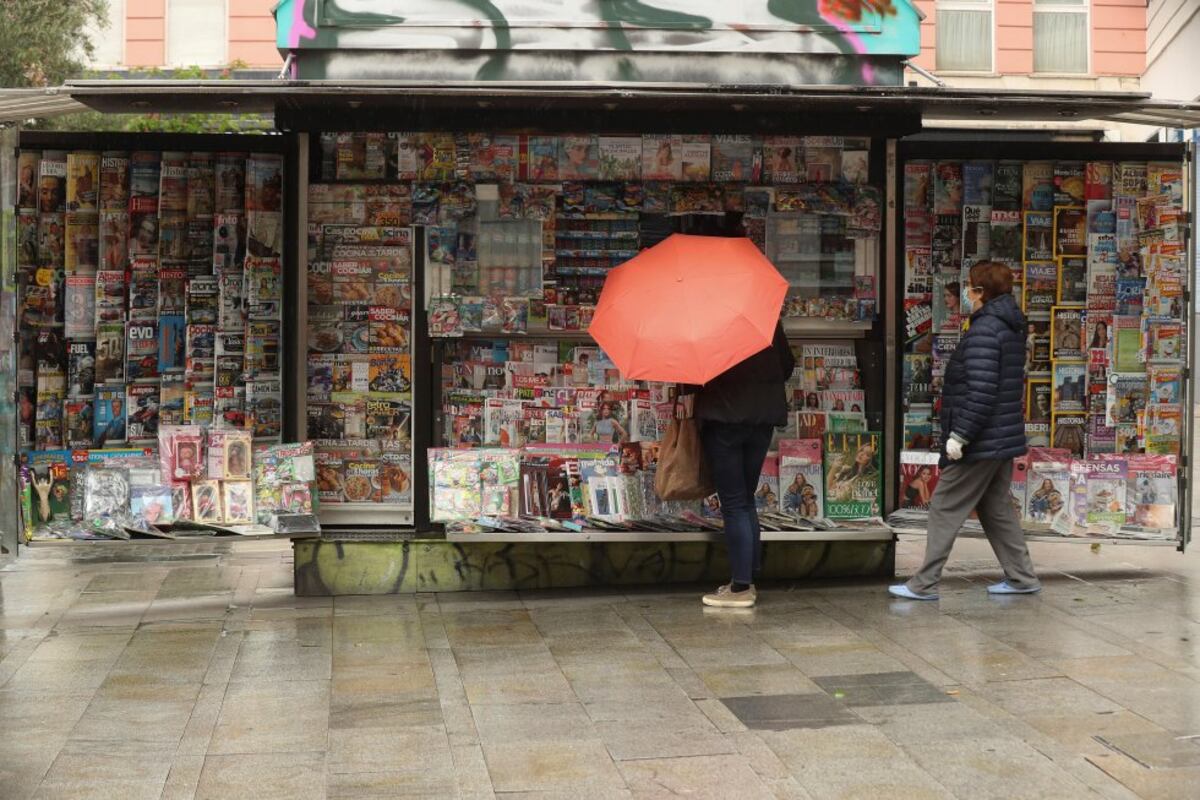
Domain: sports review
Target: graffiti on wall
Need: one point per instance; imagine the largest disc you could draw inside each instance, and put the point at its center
(332, 568)
(767, 41)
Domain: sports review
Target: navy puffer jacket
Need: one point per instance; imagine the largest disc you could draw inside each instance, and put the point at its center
(985, 379)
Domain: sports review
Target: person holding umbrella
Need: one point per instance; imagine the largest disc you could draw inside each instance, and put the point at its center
(703, 312)
(738, 412)
(983, 429)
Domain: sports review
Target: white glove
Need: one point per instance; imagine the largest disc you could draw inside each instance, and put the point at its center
(954, 450)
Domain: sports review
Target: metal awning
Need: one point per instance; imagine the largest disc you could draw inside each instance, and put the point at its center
(347, 97)
(20, 105)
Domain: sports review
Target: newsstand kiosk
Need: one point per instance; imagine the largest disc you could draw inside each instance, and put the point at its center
(440, 244)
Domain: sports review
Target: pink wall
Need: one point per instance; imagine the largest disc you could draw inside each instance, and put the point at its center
(145, 33)
(1118, 36)
(251, 33)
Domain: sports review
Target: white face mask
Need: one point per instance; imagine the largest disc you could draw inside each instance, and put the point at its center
(966, 298)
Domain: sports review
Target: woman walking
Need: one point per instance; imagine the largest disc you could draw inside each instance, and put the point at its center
(983, 430)
(737, 412)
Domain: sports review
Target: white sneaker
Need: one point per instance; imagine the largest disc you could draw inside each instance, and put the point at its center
(725, 597)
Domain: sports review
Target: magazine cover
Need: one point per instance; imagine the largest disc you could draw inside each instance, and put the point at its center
(1105, 490)
(976, 235)
(1072, 281)
(918, 178)
(918, 428)
(1037, 186)
(852, 475)
(917, 378)
(83, 181)
(172, 292)
(1165, 383)
(766, 496)
(141, 351)
(1047, 486)
(1151, 492)
(578, 158)
(1068, 431)
(977, 183)
(80, 307)
(1164, 340)
(48, 422)
(783, 160)
(1069, 183)
(1017, 484)
(1126, 397)
(114, 181)
(202, 301)
(695, 161)
(947, 188)
(264, 407)
(264, 182)
(143, 289)
(109, 418)
(52, 184)
(50, 478)
(539, 158)
(1066, 334)
(110, 296)
(735, 160)
(142, 411)
(1006, 186)
(110, 352)
(51, 239)
(201, 349)
(1006, 237)
(171, 399)
(620, 158)
(800, 478)
(1039, 400)
(1127, 344)
(1070, 386)
(1039, 236)
(1163, 428)
(171, 343)
(79, 414)
(1070, 231)
(1040, 290)
(918, 478)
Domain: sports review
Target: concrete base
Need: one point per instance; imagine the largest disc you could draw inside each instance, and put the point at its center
(332, 568)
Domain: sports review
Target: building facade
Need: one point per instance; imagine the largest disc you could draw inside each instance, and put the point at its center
(148, 34)
(1036, 44)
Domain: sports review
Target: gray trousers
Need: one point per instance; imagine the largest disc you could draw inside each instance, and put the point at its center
(981, 486)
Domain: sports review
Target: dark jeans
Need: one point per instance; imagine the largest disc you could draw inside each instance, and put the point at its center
(735, 456)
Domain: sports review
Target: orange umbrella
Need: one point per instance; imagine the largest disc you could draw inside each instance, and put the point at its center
(688, 308)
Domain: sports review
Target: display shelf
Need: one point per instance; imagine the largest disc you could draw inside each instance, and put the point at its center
(365, 514)
(1041, 536)
(162, 540)
(618, 235)
(825, 328)
(795, 327)
(877, 534)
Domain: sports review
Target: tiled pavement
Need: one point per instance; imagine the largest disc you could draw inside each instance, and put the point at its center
(194, 673)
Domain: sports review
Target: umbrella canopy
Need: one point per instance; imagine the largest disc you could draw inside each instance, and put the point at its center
(688, 308)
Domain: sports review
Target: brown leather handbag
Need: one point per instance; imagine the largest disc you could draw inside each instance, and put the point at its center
(682, 473)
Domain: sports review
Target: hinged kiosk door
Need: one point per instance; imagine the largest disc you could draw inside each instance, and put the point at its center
(9, 517)
(359, 301)
(1103, 268)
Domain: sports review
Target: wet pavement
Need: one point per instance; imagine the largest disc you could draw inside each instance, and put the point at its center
(191, 671)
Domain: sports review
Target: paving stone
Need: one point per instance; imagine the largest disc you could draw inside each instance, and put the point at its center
(782, 712)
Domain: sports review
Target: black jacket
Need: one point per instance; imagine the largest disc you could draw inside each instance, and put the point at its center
(751, 391)
(985, 379)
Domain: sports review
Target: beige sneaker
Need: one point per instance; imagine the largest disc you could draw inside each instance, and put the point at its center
(725, 597)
